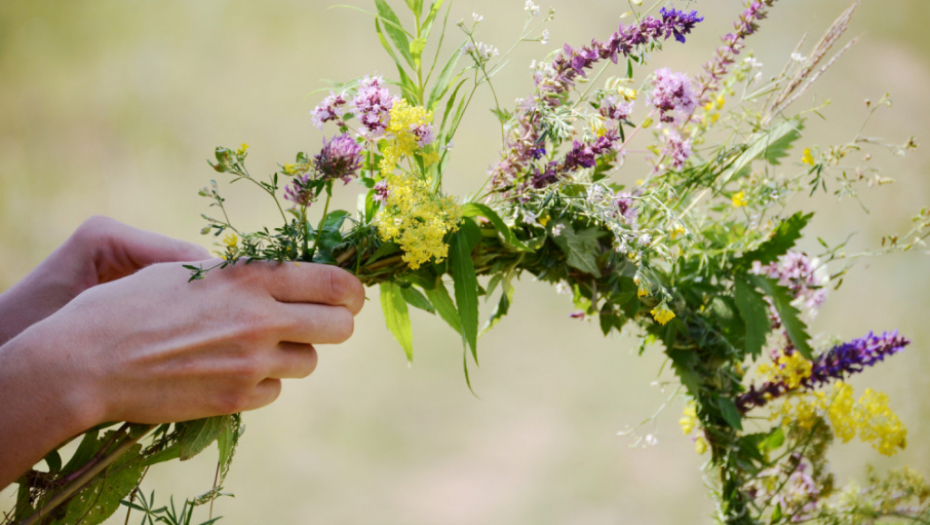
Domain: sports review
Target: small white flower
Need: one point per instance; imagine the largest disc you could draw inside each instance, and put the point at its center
(595, 193)
(530, 218)
(545, 38)
(478, 18)
(557, 230)
(651, 440)
(562, 288)
(798, 57)
(752, 62)
(531, 8)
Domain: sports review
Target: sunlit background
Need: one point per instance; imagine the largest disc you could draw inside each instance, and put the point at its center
(113, 106)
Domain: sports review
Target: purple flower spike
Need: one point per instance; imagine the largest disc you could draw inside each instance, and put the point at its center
(673, 94)
(298, 192)
(372, 105)
(679, 22)
(837, 364)
(332, 108)
(340, 158)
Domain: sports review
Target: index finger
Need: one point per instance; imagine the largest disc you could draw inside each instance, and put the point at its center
(314, 283)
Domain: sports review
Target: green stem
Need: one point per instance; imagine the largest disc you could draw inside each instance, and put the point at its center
(319, 231)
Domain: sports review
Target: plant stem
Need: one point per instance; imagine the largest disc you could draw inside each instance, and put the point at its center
(319, 231)
(77, 484)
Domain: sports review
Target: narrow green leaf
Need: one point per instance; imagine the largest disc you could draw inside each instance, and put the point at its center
(387, 47)
(441, 299)
(195, 436)
(397, 317)
(466, 282)
(443, 82)
(416, 48)
(730, 413)
(431, 17)
(790, 316)
(416, 299)
(474, 209)
(227, 442)
(85, 452)
(449, 105)
(395, 31)
(759, 144)
(503, 306)
(754, 311)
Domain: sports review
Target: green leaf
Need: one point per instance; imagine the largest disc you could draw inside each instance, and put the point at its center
(431, 17)
(683, 362)
(581, 247)
(790, 316)
(195, 436)
(730, 413)
(416, 48)
(395, 31)
(773, 441)
(440, 298)
(760, 144)
(781, 240)
(53, 460)
(397, 317)
(474, 209)
(466, 281)
(387, 47)
(778, 149)
(754, 311)
(503, 306)
(416, 299)
(443, 82)
(227, 442)
(98, 501)
(85, 452)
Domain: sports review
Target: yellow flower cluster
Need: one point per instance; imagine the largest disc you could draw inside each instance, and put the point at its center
(417, 219)
(414, 216)
(807, 157)
(869, 417)
(662, 314)
(402, 141)
(791, 369)
(689, 422)
(739, 199)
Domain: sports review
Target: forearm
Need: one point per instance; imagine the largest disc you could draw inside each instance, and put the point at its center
(41, 405)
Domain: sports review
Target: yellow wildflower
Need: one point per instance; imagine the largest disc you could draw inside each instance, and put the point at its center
(243, 148)
(720, 102)
(739, 199)
(677, 231)
(689, 420)
(642, 292)
(790, 369)
(662, 314)
(807, 157)
(231, 240)
(402, 140)
(700, 445)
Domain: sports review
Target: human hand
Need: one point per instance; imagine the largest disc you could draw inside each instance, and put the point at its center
(153, 348)
(99, 251)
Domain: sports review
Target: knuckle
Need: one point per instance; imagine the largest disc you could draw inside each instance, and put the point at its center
(337, 286)
(249, 369)
(93, 229)
(235, 400)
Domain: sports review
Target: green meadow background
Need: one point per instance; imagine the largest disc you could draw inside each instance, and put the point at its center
(113, 106)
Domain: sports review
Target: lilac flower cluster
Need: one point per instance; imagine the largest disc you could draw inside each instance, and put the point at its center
(299, 190)
(614, 110)
(747, 24)
(572, 63)
(372, 105)
(673, 95)
(332, 108)
(798, 273)
(525, 144)
(626, 210)
(340, 158)
(582, 155)
(838, 363)
(677, 150)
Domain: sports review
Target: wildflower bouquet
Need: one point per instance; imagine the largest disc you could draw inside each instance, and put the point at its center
(696, 252)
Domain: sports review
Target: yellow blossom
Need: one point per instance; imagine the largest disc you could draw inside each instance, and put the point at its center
(689, 420)
(402, 140)
(807, 157)
(242, 149)
(720, 102)
(662, 314)
(739, 199)
(642, 292)
(789, 369)
(677, 231)
(231, 240)
(700, 445)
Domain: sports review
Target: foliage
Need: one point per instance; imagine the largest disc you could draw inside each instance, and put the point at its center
(699, 254)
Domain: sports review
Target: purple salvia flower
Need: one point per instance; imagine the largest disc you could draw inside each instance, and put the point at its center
(372, 105)
(837, 364)
(626, 210)
(585, 154)
(298, 191)
(332, 108)
(672, 93)
(747, 24)
(677, 150)
(679, 23)
(424, 134)
(340, 158)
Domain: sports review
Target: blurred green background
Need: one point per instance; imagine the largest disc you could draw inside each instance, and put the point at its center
(112, 107)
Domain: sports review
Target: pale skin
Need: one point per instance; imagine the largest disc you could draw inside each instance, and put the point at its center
(108, 329)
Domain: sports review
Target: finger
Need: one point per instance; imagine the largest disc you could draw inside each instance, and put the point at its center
(293, 361)
(122, 250)
(317, 323)
(264, 394)
(314, 283)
